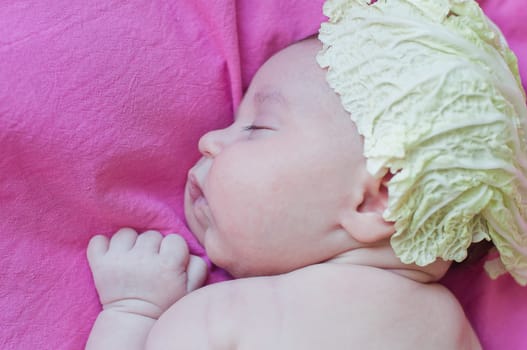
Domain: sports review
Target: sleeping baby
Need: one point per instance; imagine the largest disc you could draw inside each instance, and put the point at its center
(359, 165)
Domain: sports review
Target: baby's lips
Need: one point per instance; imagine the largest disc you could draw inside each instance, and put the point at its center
(194, 187)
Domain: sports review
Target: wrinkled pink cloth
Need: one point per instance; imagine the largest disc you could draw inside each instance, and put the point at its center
(101, 107)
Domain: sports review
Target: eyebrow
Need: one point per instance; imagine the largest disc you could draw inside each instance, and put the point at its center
(266, 97)
(269, 97)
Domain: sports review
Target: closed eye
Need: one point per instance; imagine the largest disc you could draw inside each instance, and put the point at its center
(255, 127)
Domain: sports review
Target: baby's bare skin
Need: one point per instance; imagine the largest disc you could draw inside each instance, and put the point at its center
(326, 306)
(332, 305)
(137, 279)
(282, 200)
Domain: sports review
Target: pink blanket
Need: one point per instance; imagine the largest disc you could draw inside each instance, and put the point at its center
(101, 107)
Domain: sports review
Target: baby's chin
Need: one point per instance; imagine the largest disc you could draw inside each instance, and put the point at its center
(191, 220)
(196, 230)
(240, 266)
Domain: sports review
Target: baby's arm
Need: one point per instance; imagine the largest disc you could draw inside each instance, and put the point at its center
(138, 277)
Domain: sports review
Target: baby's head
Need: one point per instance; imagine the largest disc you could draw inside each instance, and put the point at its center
(282, 187)
(287, 185)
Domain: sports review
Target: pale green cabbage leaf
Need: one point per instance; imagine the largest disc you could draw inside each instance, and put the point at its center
(435, 91)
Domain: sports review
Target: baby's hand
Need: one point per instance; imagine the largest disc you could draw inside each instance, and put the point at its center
(143, 274)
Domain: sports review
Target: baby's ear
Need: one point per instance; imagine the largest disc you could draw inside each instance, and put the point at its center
(365, 222)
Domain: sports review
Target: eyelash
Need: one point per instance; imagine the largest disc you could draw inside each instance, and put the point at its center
(254, 127)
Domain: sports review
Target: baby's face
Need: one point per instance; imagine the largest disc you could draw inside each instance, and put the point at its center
(271, 186)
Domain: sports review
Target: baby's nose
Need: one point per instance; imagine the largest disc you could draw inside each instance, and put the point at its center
(213, 142)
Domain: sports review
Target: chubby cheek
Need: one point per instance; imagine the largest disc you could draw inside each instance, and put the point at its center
(244, 194)
(264, 207)
(239, 191)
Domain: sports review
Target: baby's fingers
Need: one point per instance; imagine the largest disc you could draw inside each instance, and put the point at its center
(123, 240)
(196, 273)
(174, 249)
(97, 247)
(149, 241)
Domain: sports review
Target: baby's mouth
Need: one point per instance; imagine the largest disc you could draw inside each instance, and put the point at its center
(194, 188)
(196, 207)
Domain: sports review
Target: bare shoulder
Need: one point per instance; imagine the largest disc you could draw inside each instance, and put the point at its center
(436, 317)
(217, 316)
(319, 307)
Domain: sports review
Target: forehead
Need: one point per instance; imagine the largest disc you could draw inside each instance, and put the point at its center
(296, 62)
(292, 75)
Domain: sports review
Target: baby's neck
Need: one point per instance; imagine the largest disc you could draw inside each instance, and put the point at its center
(383, 257)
